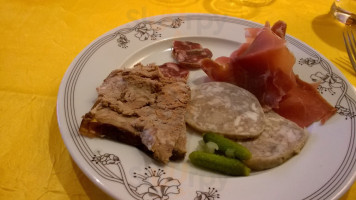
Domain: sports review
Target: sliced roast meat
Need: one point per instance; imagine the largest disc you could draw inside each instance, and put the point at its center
(188, 54)
(141, 107)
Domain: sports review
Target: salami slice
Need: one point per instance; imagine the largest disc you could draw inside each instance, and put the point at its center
(188, 54)
(225, 109)
(173, 70)
(280, 140)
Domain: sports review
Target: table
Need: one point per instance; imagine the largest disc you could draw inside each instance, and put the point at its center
(39, 39)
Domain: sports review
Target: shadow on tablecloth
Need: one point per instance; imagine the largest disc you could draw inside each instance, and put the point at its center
(329, 30)
(74, 182)
(344, 63)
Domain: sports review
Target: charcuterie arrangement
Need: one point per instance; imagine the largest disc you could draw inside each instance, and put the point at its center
(252, 113)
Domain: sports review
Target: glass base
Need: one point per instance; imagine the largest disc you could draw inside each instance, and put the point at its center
(343, 16)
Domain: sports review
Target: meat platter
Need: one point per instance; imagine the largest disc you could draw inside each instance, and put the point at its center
(323, 170)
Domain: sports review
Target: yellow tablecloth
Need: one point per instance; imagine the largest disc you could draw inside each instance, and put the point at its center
(39, 39)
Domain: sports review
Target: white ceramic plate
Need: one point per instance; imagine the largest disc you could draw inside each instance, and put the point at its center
(324, 169)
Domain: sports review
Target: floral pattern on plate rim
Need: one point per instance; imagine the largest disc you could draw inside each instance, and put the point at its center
(155, 178)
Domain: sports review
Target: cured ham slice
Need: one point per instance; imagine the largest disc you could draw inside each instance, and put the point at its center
(188, 54)
(218, 70)
(279, 28)
(264, 66)
(304, 105)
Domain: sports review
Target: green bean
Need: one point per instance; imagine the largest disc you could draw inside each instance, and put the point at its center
(225, 144)
(219, 163)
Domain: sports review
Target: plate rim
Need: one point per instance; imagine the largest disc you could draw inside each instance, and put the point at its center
(64, 82)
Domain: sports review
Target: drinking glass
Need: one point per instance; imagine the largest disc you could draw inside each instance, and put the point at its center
(345, 11)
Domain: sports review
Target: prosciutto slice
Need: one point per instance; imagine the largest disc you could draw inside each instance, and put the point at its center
(304, 105)
(264, 66)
